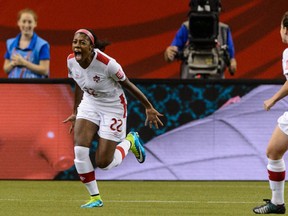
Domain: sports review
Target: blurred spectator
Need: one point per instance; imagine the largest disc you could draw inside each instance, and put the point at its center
(182, 45)
(27, 55)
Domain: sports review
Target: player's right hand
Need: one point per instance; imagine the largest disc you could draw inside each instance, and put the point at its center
(71, 119)
(268, 104)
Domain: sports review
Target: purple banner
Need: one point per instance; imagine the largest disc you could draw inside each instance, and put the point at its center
(230, 144)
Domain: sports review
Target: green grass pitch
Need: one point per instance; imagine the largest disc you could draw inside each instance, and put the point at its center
(133, 198)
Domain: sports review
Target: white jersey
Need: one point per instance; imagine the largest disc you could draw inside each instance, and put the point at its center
(104, 101)
(99, 81)
(285, 62)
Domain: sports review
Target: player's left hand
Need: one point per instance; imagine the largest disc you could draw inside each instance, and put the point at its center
(152, 118)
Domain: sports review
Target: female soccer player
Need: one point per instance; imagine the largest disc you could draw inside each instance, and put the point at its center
(100, 107)
(279, 141)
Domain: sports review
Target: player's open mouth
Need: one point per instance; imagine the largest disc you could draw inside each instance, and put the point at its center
(78, 55)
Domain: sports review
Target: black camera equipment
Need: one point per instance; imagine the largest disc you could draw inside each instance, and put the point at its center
(203, 29)
(202, 57)
(203, 22)
(205, 5)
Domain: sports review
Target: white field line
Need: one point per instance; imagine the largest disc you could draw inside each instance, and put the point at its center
(137, 201)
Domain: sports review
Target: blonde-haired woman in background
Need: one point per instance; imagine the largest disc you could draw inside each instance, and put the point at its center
(27, 55)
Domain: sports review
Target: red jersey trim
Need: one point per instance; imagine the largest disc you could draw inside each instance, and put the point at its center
(100, 57)
(71, 56)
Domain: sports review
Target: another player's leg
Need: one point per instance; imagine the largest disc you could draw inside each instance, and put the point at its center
(277, 181)
(136, 146)
(276, 172)
(270, 208)
(86, 173)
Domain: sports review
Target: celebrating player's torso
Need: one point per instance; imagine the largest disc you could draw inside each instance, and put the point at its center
(99, 80)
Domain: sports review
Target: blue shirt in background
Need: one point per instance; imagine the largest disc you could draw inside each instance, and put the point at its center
(38, 50)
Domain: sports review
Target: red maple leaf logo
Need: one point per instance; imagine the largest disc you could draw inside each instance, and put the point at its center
(120, 74)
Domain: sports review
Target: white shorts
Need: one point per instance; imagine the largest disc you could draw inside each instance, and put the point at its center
(283, 122)
(111, 121)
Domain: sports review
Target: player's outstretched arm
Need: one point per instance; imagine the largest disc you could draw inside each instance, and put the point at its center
(152, 115)
(283, 92)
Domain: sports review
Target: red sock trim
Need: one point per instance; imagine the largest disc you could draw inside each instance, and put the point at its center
(122, 151)
(87, 177)
(276, 176)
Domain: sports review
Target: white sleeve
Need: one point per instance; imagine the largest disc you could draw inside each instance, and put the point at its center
(285, 62)
(115, 71)
(70, 75)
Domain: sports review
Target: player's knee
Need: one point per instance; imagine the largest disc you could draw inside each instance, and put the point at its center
(273, 154)
(104, 164)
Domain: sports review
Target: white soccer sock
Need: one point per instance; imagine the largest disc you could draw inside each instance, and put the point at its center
(276, 170)
(120, 153)
(85, 169)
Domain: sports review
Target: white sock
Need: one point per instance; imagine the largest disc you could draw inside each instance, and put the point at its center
(276, 170)
(85, 169)
(120, 153)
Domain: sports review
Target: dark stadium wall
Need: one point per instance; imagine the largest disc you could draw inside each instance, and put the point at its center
(141, 30)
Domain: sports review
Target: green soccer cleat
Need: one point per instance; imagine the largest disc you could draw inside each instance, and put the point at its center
(95, 201)
(136, 147)
(270, 208)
